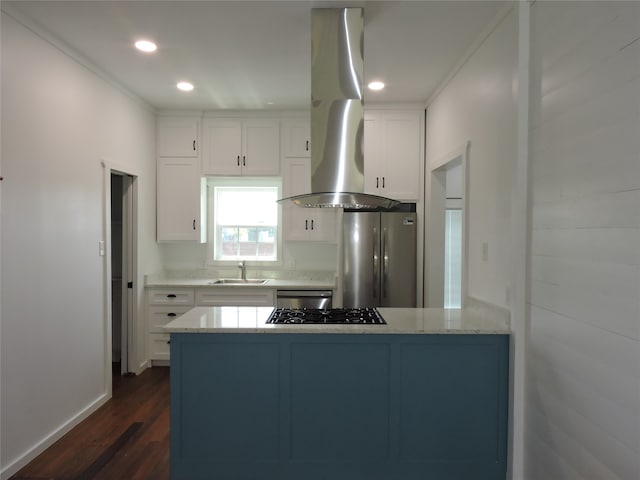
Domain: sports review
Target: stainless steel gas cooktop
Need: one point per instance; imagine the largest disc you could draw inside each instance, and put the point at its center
(361, 316)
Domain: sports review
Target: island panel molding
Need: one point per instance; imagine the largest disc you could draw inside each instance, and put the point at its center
(340, 406)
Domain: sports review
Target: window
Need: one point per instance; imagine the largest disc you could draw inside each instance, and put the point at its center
(244, 219)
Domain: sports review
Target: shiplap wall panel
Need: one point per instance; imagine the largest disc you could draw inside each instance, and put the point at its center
(583, 356)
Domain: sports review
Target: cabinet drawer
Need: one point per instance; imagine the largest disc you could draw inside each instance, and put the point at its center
(235, 297)
(159, 346)
(161, 315)
(171, 296)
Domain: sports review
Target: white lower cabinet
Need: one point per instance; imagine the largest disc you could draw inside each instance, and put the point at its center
(235, 297)
(165, 304)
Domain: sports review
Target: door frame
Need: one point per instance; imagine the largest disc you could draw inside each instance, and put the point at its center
(435, 230)
(130, 205)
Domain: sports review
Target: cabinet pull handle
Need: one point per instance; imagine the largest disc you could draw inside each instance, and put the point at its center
(238, 160)
(306, 224)
(194, 145)
(382, 182)
(306, 147)
(171, 314)
(244, 162)
(171, 295)
(194, 223)
(377, 180)
(311, 224)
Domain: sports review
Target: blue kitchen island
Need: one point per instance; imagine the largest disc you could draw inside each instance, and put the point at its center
(424, 397)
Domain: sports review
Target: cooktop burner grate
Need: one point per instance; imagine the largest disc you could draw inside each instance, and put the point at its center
(360, 316)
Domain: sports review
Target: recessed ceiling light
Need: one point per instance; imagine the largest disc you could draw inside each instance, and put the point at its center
(376, 85)
(146, 46)
(185, 86)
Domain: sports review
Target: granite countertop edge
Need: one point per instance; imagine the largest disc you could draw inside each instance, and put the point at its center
(269, 283)
(251, 320)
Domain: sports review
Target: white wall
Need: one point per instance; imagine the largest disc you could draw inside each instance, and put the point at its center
(583, 356)
(478, 105)
(301, 256)
(58, 121)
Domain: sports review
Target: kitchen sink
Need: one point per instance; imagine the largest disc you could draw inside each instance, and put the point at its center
(237, 281)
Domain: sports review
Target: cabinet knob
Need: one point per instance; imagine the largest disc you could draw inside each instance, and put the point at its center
(168, 342)
(171, 314)
(171, 295)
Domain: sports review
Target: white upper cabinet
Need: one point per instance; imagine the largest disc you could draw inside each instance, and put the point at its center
(178, 136)
(393, 153)
(180, 192)
(296, 138)
(180, 205)
(233, 146)
(304, 224)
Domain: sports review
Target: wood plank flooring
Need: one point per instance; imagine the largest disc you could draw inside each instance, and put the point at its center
(127, 438)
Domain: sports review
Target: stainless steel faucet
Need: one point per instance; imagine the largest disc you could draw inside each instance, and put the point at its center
(243, 270)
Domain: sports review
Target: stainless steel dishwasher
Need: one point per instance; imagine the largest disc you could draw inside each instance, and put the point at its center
(304, 299)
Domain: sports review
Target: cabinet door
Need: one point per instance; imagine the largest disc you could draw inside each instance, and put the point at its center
(322, 224)
(296, 180)
(183, 297)
(296, 138)
(373, 154)
(235, 296)
(393, 152)
(159, 346)
(402, 154)
(158, 317)
(178, 136)
(178, 199)
(304, 224)
(260, 147)
(221, 146)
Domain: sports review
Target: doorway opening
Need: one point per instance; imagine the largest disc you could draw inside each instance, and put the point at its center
(122, 262)
(447, 231)
(453, 235)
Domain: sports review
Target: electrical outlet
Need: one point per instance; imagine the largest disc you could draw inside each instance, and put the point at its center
(101, 248)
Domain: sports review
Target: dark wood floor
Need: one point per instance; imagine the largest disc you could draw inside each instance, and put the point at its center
(127, 438)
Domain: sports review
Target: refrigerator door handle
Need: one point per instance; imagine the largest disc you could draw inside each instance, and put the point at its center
(375, 262)
(385, 262)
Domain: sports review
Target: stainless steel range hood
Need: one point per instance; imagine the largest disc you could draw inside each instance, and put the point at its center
(337, 113)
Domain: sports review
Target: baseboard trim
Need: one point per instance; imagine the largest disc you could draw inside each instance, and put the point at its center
(53, 437)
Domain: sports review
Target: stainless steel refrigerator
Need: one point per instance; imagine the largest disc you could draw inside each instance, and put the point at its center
(379, 259)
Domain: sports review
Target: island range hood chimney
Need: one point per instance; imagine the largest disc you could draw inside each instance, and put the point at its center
(337, 113)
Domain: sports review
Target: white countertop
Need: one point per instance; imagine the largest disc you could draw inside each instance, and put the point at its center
(399, 321)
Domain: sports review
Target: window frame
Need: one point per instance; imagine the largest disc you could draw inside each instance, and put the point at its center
(213, 182)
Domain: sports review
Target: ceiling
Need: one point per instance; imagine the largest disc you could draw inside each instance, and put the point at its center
(255, 54)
